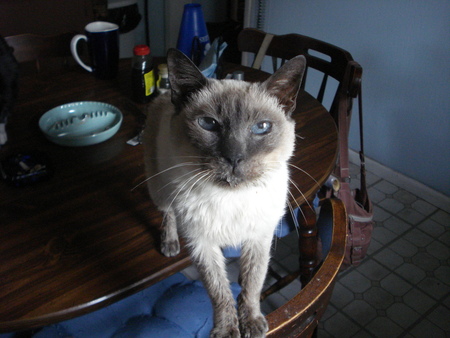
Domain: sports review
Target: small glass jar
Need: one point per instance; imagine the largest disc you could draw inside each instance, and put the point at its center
(163, 83)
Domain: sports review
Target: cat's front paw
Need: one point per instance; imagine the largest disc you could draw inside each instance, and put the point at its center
(170, 248)
(225, 332)
(254, 327)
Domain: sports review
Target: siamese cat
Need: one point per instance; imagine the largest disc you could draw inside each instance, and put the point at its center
(216, 155)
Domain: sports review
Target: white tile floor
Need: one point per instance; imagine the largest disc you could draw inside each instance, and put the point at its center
(402, 288)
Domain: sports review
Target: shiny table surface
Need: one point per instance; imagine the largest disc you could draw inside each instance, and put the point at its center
(85, 239)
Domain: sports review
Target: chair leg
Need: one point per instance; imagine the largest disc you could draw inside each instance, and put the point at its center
(308, 247)
(309, 259)
(307, 243)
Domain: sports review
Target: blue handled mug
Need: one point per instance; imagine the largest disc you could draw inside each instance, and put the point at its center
(103, 45)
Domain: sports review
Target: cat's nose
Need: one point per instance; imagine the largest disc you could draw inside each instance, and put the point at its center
(234, 161)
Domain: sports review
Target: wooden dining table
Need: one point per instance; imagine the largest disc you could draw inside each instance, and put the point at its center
(84, 238)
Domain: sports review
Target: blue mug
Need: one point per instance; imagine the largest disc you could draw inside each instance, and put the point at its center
(103, 45)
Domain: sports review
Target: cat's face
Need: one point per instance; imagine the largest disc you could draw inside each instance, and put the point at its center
(239, 130)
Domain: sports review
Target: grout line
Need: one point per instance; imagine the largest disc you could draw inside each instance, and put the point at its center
(424, 316)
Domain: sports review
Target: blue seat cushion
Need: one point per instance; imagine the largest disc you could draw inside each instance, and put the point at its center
(175, 307)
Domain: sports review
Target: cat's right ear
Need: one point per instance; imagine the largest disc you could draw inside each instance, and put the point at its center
(285, 82)
(185, 78)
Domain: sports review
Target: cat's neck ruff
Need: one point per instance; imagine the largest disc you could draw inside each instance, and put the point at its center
(228, 216)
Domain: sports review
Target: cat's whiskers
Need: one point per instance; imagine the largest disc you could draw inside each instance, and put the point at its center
(180, 156)
(294, 184)
(304, 197)
(176, 179)
(300, 137)
(301, 193)
(179, 165)
(206, 175)
(181, 188)
(291, 210)
(306, 173)
(289, 204)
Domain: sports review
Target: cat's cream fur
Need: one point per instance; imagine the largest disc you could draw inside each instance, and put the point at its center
(223, 187)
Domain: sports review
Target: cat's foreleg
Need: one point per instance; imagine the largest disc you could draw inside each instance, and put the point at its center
(170, 245)
(254, 263)
(211, 265)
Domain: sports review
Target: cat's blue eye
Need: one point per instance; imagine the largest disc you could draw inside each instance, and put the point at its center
(208, 123)
(262, 128)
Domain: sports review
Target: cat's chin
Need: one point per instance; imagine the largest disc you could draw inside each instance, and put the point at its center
(232, 181)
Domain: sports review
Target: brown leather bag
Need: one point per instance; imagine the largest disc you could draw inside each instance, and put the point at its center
(357, 201)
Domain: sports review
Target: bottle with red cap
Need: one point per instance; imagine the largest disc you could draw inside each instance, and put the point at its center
(142, 75)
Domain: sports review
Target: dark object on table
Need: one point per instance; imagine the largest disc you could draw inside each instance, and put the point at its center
(229, 32)
(9, 73)
(24, 169)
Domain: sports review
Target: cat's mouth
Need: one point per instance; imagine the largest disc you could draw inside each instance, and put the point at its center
(231, 181)
(233, 176)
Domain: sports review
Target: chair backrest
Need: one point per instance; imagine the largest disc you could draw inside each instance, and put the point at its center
(33, 47)
(328, 60)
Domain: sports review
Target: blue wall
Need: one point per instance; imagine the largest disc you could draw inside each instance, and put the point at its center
(404, 49)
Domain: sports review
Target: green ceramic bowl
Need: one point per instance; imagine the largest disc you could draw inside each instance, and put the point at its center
(81, 123)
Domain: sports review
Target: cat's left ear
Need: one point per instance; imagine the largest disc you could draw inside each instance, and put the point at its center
(285, 82)
(185, 78)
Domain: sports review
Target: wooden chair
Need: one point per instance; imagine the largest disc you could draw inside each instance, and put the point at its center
(327, 60)
(300, 316)
(53, 50)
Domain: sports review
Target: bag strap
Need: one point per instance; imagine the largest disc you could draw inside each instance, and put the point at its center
(351, 88)
(364, 198)
(343, 125)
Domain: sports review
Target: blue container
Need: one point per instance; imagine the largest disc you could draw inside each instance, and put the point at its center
(193, 39)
